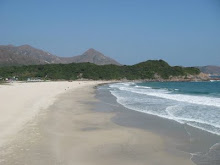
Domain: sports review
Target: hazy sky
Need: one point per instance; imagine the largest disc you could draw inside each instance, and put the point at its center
(182, 32)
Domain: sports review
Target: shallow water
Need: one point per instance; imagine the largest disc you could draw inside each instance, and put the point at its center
(193, 103)
(202, 141)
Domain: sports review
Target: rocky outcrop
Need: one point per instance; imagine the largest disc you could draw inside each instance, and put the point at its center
(200, 77)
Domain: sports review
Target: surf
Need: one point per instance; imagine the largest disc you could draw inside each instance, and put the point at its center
(199, 109)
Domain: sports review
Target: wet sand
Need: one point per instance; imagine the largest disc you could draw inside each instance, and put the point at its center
(203, 147)
(79, 129)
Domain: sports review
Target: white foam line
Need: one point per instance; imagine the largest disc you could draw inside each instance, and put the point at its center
(170, 116)
(200, 100)
(189, 119)
(212, 132)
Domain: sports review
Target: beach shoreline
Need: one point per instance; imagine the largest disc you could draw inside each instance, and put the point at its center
(203, 146)
(73, 130)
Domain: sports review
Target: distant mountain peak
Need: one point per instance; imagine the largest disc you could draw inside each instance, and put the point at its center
(28, 55)
(94, 56)
(92, 51)
(26, 46)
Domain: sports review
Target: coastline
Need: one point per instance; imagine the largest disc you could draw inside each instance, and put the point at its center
(73, 130)
(203, 146)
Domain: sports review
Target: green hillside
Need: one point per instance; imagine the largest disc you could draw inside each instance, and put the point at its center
(144, 70)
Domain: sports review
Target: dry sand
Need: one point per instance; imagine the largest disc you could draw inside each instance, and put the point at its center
(68, 132)
(20, 102)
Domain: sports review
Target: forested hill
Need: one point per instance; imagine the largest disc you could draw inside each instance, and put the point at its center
(152, 69)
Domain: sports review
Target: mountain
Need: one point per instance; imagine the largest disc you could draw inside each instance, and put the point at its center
(28, 55)
(25, 55)
(212, 70)
(92, 56)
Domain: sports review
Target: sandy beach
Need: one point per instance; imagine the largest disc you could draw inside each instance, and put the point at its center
(20, 102)
(55, 123)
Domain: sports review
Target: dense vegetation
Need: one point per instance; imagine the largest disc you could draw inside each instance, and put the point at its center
(146, 70)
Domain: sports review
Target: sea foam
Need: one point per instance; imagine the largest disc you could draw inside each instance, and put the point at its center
(201, 112)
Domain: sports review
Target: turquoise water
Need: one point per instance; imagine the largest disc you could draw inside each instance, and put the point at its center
(191, 88)
(194, 103)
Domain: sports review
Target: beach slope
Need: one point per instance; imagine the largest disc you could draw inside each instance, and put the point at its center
(69, 131)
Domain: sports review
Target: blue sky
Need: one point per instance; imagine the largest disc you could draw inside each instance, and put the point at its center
(182, 32)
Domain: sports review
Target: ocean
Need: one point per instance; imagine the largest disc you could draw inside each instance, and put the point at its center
(196, 104)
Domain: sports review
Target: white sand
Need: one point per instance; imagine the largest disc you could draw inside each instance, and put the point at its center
(69, 132)
(20, 102)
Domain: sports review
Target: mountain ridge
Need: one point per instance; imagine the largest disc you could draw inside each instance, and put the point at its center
(27, 55)
(210, 69)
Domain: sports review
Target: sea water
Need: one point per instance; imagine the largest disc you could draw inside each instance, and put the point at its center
(193, 103)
